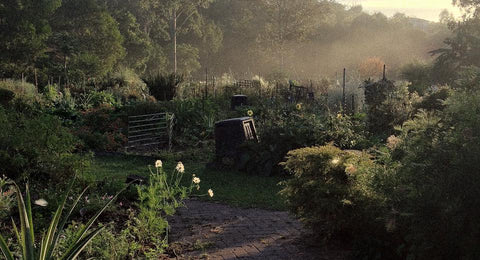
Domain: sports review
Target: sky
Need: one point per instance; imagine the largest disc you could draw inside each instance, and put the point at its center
(425, 9)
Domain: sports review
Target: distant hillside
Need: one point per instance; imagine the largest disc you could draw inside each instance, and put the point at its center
(422, 24)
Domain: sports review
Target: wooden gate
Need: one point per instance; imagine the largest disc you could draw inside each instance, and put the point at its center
(150, 132)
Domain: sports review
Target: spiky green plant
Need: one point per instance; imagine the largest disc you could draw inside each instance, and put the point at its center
(26, 237)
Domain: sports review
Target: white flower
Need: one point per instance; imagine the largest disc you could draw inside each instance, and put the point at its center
(158, 164)
(196, 180)
(41, 202)
(210, 193)
(180, 168)
(335, 161)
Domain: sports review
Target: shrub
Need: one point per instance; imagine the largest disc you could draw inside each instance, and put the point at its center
(125, 85)
(158, 199)
(433, 100)
(419, 75)
(102, 129)
(164, 87)
(282, 129)
(36, 146)
(21, 89)
(6, 96)
(345, 131)
(108, 244)
(329, 192)
(436, 184)
(388, 105)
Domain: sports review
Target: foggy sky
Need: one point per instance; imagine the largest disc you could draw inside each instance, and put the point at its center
(425, 9)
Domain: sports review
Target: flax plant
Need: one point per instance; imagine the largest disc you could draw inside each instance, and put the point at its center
(26, 234)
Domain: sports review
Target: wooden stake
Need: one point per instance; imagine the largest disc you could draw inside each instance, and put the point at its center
(343, 94)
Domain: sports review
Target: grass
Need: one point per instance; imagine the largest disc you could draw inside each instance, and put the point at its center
(230, 187)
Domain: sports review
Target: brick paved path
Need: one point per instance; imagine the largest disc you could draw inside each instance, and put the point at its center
(206, 230)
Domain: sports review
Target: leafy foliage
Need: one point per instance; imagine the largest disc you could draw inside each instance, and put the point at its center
(37, 147)
(388, 105)
(343, 203)
(436, 182)
(164, 87)
(26, 234)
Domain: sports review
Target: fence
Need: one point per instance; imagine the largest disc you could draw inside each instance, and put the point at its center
(150, 132)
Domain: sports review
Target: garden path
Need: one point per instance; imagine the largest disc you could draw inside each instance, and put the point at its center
(206, 230)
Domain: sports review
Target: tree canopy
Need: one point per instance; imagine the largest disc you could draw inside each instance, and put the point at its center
(71, 41)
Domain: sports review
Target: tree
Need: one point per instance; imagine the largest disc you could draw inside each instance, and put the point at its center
(24, 30)
(371, 68)
(99, 42)
(463, 50)
(211, 42)
(183, 17)
(472, 7)
(288, 21)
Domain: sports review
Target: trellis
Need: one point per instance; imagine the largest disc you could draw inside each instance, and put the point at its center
(150, 131)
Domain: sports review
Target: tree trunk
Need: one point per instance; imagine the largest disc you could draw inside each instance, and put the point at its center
(174, 32)
(36, 78)
(65, 68)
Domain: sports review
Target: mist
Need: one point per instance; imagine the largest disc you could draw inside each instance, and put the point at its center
(342, 37)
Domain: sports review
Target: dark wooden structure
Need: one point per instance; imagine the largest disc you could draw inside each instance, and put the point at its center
(238, 100)
(231, 133)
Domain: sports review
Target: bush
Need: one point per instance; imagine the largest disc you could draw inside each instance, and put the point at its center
(101, 129)
(21, 89)
(282, 129)
(36, 146)
(388, 105)
(436, 183)
(108, 244)
(163, 87)
(126, 86)
(419, 75)
(6, 96)
(433, 100)
(329, 192)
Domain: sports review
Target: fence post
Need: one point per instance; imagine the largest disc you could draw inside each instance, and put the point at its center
(344, 101)
(353, 104)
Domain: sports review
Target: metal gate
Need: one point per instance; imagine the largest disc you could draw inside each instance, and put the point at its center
(150, 132)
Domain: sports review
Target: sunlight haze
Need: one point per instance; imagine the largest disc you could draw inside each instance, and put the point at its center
(425, 9)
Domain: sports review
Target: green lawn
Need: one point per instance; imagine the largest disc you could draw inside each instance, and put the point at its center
(233, 188)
